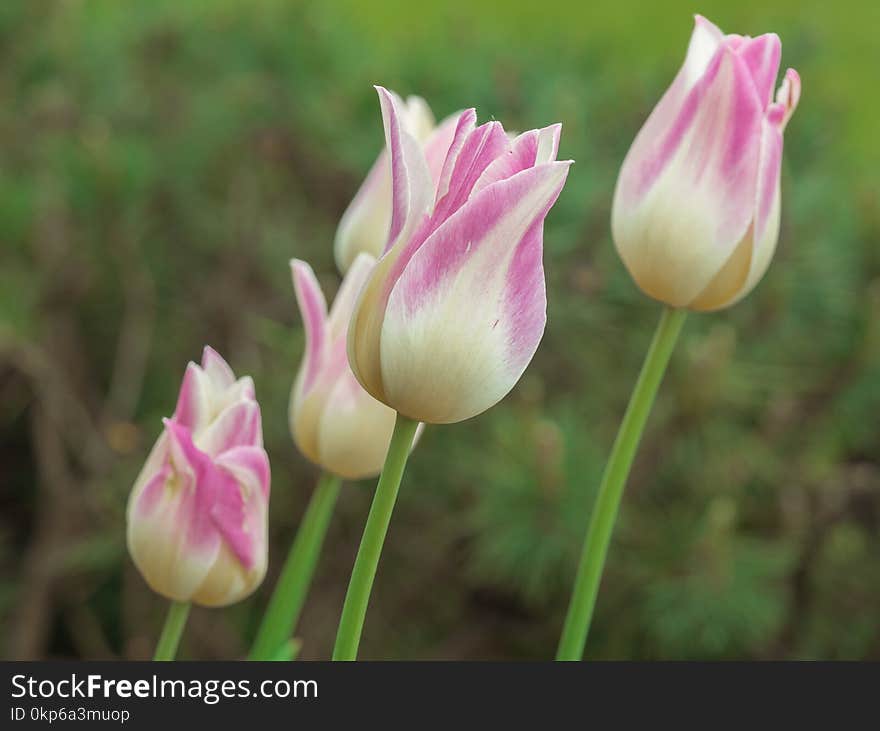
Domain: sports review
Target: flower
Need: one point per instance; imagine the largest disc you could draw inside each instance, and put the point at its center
(334, 422)
(696, 209)
(454, 310)
(197, 516)
(363, 227)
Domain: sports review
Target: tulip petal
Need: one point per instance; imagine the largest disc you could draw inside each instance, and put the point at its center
(170, 532)
(366, 322)
(169, 562)
(250, 466)
(788, 96)
(464, 125)
(768, 196)
(354, 430)
(477, 152)
(674, 112)
(470, 307)
(531, 148)
(364, 225)
(520, 155)
(313, 308)
(728, 281)
(194, 400)
(239, 510)
(548, 143)
(767, 207)
(437, 145)
(243, 388)
(762, 55)
(229, 581)
(365, 329)
(750, 260)
(418, 117)
(769, 170)
(705, 40)
(238, 424)
(306, 398)
(217, 369)
(412, 188)
(149, 488)
(346, 297)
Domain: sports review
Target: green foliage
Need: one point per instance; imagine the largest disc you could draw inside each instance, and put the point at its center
(162, 161)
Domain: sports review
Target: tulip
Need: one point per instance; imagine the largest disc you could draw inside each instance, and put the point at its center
(696, 209)
(197, 516)
(365, 223)
(334, 422)
(695, 219)
(454, 310)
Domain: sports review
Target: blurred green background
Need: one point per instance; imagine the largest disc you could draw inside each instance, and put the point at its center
(161, 161)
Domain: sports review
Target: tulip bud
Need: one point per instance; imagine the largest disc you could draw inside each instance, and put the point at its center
(696, 209)
(197, 516)
(453, 312)
(364, 225)
(334, 422)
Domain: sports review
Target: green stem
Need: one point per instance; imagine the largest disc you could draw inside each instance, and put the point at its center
(354, 610)
(583, 599)
(166, 648)
(296, 576)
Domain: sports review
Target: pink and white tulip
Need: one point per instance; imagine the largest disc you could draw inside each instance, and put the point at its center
(334, 422)
(365, 223)
(696, 210)
(454, 310)
(197, 516)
